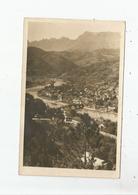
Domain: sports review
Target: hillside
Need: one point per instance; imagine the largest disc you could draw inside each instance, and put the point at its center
(41, 63)
(77, 67)
(99, 72)
(84, 59)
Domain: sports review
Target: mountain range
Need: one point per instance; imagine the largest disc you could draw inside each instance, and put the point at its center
(89, 59)
(86, 42)
(88, 67)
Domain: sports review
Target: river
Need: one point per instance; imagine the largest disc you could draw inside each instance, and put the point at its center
(57, 104)
(92, 113)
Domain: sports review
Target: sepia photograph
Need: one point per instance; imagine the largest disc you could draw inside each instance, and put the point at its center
(71, 99)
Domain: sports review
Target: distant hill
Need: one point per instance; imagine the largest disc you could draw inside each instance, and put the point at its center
(81, 58)
(78, 67)
(87, 42)
(41, 63)
(100, 72)
(53, 44)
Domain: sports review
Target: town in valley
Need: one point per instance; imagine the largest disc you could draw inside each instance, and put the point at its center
(71, 102)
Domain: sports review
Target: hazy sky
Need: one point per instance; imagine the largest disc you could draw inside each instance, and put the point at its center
(40, 29)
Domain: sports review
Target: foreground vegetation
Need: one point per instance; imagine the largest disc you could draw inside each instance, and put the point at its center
(51, 142)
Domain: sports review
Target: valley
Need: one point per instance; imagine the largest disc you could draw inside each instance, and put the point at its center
(72, 101)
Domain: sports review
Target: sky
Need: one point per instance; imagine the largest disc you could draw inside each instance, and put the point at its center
(56, 28)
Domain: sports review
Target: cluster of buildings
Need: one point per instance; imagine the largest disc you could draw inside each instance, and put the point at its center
(104, 97)
(100, 96)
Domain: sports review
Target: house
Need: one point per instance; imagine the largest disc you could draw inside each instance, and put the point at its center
(76, 101)
(98, 163)
(111, 108)
(69, 120)
(76, 120)
(67, 117)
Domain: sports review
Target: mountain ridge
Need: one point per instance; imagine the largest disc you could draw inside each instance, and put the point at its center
(88, 41)
(77, 67)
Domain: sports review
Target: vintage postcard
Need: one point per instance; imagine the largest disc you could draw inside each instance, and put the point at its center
(71, 107)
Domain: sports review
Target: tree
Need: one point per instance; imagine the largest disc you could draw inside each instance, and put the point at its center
(29, 106)
(90, 125)
(90, 128)
(39, 107)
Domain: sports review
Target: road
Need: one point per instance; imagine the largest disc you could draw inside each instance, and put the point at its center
(99, 114)
(108, 135)
(101, 132)
(52, 103)
(92, 113)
